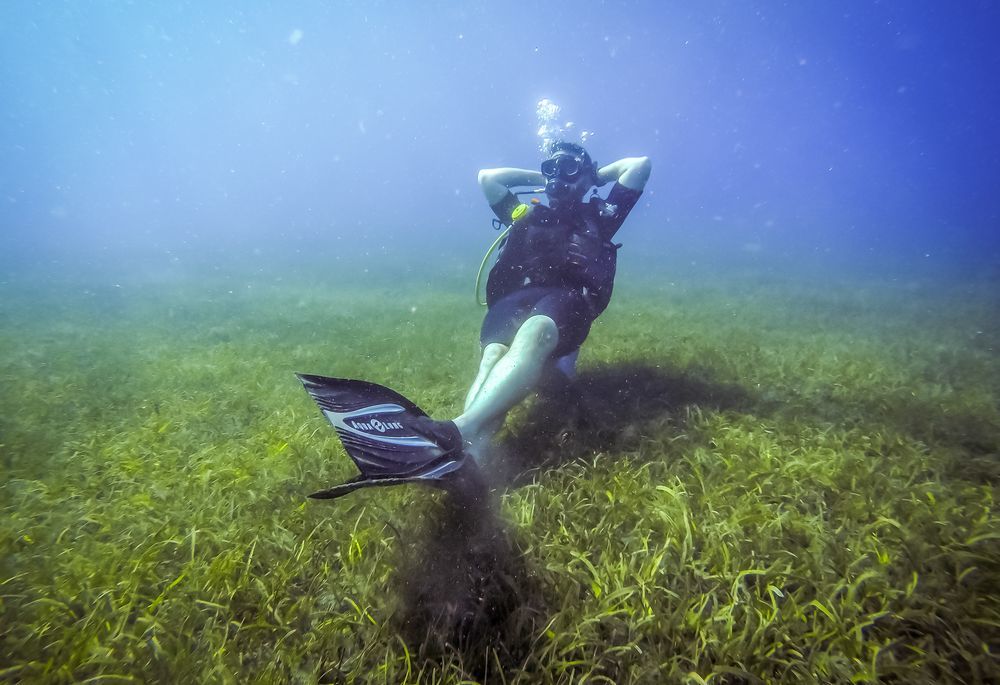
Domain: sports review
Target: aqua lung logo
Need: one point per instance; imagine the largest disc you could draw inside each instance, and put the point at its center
(375, 426)
(389, 434)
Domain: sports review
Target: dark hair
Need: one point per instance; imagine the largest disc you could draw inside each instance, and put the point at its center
(570, 148)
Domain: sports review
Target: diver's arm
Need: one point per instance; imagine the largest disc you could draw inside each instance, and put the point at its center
(631, 172)
(496, 183)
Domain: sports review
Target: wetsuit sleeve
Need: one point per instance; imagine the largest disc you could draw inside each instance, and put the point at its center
(624, 199)
(504, 207)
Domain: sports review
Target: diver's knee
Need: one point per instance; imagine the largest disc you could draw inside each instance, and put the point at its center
(538, 332)
(493, 352)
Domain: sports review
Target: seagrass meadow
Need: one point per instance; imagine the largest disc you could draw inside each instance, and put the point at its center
(755, 479)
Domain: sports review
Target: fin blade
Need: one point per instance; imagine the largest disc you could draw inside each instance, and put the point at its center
(389, 438)
(360, 483)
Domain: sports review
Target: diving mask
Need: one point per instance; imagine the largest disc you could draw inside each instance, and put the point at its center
(562, 166)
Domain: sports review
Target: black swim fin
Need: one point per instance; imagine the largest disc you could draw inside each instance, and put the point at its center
(391, 440)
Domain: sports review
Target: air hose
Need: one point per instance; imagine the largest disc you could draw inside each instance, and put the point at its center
(486, 257)
(518, 213)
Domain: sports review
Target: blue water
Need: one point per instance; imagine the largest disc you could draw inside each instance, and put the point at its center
(143, 136)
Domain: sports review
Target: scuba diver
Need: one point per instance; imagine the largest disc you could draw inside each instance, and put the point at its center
(552, 279)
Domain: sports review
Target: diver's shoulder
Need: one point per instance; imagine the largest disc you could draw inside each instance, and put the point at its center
(619, 191)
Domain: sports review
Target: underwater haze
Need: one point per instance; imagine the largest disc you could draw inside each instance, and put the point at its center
(142, 137)
(778, 463)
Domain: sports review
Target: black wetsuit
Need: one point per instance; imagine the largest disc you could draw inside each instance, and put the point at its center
(559, 264)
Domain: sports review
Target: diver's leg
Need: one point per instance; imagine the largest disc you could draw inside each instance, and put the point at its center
(511, 378)
(478, 446)
(567, 364)
(491, 355)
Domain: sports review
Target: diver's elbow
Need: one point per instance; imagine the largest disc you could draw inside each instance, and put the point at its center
(637, 173)
(486, 176)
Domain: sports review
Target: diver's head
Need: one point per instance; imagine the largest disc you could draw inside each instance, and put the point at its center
(569, 174)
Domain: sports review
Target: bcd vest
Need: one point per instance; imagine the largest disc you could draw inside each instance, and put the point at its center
(550, 248)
